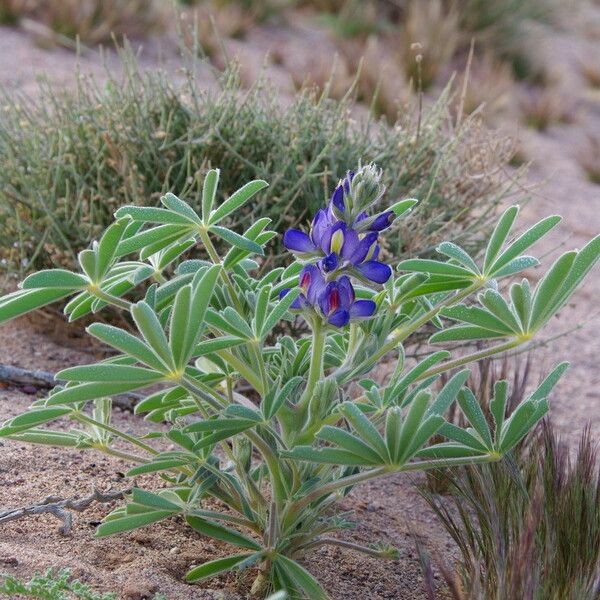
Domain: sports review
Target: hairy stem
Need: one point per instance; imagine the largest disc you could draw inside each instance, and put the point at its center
(469, 358)
(315, 371)
(83, 418)
(114, 300)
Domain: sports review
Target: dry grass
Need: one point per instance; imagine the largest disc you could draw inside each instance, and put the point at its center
(92, 21)
(428, 40)
(589, 159)
(489, 85)
(542, 107)
(590, 69)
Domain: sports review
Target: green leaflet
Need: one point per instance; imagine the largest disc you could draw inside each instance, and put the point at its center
(236, 201)
(214, 567)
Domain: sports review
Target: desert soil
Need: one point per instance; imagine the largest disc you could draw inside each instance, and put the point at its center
(154, 559)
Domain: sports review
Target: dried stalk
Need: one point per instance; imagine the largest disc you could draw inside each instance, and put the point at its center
(60, 507)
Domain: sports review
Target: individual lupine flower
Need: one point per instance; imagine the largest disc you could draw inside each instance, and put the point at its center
(339, 306)
(305, 245)
(376, 223)
(344, 248)
(341, 246)
(334, 301)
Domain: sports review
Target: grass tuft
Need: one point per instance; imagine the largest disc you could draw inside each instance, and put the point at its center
(528, 527)
(543, 107)
(589, 159)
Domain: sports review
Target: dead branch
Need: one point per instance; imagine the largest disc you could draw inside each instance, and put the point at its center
(60, 507)
(45, 380)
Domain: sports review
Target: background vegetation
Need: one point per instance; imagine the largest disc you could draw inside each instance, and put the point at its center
(70, 159)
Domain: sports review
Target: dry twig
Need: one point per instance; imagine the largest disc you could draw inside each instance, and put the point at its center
(60, 507)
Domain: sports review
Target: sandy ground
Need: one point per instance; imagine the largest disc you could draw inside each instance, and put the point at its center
(153, 560)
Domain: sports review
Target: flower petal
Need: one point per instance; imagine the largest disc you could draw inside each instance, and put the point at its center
(312, 283)
(363, 248)
(339, 318)
(382, 221)
(362, 309)
(330, 262)
(375, 271)
(347, 294)
(298, 241)
(337, 199)
(322, 221)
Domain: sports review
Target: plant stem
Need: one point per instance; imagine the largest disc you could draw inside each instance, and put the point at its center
(114, 300)
(315, 371)
(83, 418)
(475, 356)
(404, 332)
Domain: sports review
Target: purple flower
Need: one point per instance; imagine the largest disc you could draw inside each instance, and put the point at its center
(339, 306)
(344, 247)
(382, 221)
(342, 242)
(299, 243)
(334, 301)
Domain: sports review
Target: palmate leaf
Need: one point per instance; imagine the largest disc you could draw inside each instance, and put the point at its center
(479, 439)
(236, 201)
(527, 312)
(403, 437)
(498, 262)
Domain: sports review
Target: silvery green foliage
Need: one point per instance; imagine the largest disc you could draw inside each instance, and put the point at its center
(280, 455)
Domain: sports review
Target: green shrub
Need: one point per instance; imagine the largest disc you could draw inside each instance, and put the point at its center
(527, 527)
(70, 159)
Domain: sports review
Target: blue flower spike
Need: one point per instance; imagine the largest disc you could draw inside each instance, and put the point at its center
(342, 243)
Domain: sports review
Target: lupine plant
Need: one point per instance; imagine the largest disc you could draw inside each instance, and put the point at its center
(268, 434)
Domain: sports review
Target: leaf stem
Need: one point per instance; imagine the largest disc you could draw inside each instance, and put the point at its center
(83, 418)
(469, 358)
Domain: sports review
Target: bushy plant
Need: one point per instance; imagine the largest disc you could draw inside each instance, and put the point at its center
(69, 160)
(278, 458)
(528, 527)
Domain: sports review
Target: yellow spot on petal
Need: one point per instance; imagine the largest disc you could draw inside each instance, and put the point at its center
(337, 241)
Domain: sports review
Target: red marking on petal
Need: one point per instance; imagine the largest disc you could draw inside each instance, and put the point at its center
(334, 300)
